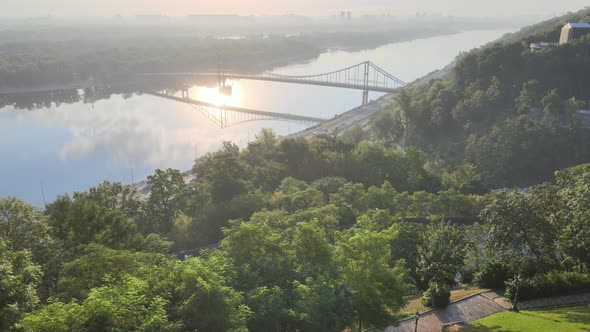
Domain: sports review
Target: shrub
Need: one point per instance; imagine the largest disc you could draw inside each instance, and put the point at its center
(553, 283)
(329, 185)
(492, 274)
(467, 276)
(438, 295)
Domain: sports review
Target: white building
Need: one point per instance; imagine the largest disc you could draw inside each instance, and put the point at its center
(537, 47)
(573, 31)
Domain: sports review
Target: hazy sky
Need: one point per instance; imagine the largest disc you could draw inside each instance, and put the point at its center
(25, 8)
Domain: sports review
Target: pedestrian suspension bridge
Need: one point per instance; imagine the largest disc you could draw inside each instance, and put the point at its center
(365, 76)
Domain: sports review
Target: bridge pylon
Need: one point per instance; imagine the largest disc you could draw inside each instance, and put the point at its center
(185, 93)
(365, 97)
(367, 67)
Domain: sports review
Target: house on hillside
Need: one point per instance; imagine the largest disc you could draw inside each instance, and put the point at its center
(537, 47)
(572, 31)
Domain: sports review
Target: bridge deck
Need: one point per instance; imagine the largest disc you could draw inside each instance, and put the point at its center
(287, 116)
(283, 80)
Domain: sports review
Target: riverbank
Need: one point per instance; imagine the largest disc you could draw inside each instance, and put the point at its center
(361, 116)
(49, 88)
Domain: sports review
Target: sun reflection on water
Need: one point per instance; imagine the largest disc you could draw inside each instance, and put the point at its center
(214, 96)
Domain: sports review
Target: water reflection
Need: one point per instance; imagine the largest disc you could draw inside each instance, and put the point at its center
(71, 146)
(213, 95)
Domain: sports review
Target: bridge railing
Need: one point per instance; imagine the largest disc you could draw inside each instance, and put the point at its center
(365, 74)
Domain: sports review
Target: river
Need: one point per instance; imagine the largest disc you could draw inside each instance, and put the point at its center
(57, 149)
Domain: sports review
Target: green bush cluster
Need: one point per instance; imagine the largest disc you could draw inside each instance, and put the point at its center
(467, 276)
(492, 274)
(438, 295)
(554, 283)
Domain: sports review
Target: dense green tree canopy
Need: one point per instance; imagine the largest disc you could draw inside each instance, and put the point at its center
(19, 280)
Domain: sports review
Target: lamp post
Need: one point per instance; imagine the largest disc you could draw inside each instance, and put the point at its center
(515, 301)
(417, 316)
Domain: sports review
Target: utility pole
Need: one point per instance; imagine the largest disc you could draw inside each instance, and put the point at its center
(219, 71)
(43, 194)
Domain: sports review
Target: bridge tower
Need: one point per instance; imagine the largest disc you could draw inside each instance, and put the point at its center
(224, 88)
(185, 92)
(366, 83)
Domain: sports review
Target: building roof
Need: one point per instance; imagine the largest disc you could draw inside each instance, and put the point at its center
(579, 25)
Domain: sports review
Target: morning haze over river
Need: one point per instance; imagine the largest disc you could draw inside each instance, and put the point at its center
(71, 147)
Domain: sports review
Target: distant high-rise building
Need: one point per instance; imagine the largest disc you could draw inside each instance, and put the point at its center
(349, 15)
(573, 31)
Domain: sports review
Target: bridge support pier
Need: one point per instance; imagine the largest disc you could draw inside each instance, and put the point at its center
(185, 94)
(365, 97)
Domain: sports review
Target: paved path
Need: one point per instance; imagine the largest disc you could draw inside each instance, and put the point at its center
(557, 301)
(469, 309)
(479, 306)
(360, 116)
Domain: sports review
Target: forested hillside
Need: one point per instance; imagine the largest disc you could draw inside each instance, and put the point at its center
(506, 111)
(314, 235)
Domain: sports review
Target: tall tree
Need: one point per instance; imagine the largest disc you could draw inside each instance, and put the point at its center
(520, 237)
(18, 285)
(80, 221)
(442, 254)
(574, 219)
(201, 299)
(530, 96)
(167, 198)
(225, 172)
(363, 262)
(552, 103)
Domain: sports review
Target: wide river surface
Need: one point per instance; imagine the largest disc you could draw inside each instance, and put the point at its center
(61, 149)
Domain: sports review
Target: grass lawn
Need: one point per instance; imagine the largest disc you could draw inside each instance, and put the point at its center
(555, 320)
(414, 302)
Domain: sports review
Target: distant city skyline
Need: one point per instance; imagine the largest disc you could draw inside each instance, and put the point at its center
(500, 8)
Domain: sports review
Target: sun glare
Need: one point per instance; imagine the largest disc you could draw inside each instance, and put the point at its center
(214, 96)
